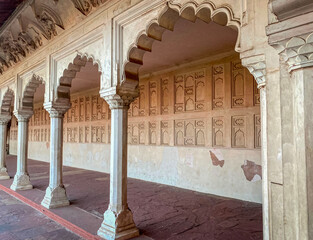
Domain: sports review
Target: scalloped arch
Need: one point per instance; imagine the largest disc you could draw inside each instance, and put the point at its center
(29, 92)
(7, 101)
(166, 20)
(65, 83)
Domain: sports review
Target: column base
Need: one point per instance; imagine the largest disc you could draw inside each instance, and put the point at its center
(4, 174)
(55, 198)
(118, 225)
(21, 182)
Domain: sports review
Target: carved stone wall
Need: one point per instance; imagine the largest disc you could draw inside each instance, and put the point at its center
(194, 126)
(87, 121)
(197, 107)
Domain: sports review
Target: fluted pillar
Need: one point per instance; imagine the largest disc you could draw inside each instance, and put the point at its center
(3, 138)
(21, 179)
(118, 219)
(55, 193)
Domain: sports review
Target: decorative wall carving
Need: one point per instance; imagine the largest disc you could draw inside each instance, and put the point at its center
(136, 133)
(218, 86)
(239, 131)
(165, 135)
(33, 24)
(165, 96)
(218, 131)
(189, 132)
(152, 133)
(238, 85)
(85, 6)
(154, 119)
(190, 92)
(153, 98)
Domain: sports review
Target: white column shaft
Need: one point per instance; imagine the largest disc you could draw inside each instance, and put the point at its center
(303, 127)
(265, 196)
(55, 193)
(118, 164)
(118, 220)
(22, 147)
(3, 143)
(56, 151)
(21, 179)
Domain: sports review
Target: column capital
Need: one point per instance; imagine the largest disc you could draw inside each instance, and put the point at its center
(297, 51)
(23, 115)
(4, 119)
(57, 109)
(118, 98)
(257, 67)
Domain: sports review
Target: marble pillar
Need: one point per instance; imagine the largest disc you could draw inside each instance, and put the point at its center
(265, 191)
(118, 219)
(303, 129)
(3, 141)
(55, 193)
(21, 179)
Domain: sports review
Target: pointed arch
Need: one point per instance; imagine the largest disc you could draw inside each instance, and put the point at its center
(29, 92)
(190, 11)
(6, 102)
(65, 82)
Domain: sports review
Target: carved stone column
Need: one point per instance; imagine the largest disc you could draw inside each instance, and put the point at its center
(257, 67)
(3, 140)
(298, 150)
(118, 219)
(55, 193)
(21, 179)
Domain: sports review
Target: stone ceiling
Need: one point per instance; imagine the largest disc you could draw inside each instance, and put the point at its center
(34, 23)
(7, 7)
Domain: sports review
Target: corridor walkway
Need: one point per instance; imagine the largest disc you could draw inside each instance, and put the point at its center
(160, 211)
(19, 221)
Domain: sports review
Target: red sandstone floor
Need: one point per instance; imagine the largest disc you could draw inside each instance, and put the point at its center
(19, 221)
(160, 211)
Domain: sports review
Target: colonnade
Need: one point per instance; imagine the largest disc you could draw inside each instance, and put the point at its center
(118, 220)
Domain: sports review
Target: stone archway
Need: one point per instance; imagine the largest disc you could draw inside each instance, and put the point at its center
(130, 71)
(7, 102)
(5, 117)
(166, 21)
(29, 92)
(65, 82)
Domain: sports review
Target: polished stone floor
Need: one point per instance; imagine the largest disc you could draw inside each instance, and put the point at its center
(160, 211)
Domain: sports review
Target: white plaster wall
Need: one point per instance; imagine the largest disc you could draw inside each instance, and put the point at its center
(192, 168)
(184, 167)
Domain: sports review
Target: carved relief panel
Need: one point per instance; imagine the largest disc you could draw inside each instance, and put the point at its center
(218, 86)
(179, 94)
(190, 92)
(218, 131)
(238, 85)
(189, 132)
(137, 108)
(153, 98)
(239, 131)
(165, 96)
(165, 137)
(94, 108)
(82, 109)
(136, 133)
(87, 108)
(152, 133)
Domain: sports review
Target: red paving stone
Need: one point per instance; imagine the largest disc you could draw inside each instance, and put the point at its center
(20, 222)
(160, 211)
